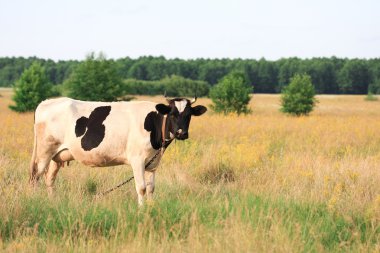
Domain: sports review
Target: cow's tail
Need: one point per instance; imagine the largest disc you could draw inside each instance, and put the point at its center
(33, 163)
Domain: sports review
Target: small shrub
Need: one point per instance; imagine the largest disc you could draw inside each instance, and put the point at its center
(370, 97)
(32, 88)
(298, 98)
(95, 79)
(231, 95)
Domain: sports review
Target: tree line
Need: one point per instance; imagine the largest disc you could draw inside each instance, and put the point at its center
(329, 75)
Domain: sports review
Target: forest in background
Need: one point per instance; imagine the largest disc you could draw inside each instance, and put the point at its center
(329, 75)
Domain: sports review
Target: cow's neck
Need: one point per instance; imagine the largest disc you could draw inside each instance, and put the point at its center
(153, 123)
(165, 132)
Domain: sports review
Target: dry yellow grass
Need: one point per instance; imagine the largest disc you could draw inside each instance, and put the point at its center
(331, 157)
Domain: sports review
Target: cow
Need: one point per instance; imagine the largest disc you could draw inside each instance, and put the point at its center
(101, 134)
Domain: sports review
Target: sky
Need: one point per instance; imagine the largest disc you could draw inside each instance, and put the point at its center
(248, 29)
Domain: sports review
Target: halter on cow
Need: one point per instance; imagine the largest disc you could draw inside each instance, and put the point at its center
(101, 134)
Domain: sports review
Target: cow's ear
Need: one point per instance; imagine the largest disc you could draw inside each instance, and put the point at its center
(198, 110)
(163, 109)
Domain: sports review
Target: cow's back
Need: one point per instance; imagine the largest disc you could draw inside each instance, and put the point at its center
(96, 133)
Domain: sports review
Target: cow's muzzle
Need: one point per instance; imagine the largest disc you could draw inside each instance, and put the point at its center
(181, 135)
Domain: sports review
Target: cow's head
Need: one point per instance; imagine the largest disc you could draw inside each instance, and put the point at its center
(179, 112)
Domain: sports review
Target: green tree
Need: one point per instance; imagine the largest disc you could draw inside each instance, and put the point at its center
(32, 88)
(288, 68)
(326, 75)
(374, 87)
(142, 87)
(329, 75)
(95, 79)
(354, 77)
(174, 86)
(139, 70)
(178, 86)
(298, 98)
(231, 94)
(212, 71)
(267, 77)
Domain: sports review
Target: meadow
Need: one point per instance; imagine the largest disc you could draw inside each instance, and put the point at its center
(265, 182)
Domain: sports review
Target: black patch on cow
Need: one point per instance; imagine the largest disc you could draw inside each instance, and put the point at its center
(153, 124)
(80, 126)
(92, 127)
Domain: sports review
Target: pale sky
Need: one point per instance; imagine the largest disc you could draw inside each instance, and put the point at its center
(70, 29)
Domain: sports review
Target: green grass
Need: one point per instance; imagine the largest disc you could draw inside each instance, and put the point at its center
(172, 216)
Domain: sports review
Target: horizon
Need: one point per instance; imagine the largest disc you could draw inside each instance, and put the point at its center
(194, 59)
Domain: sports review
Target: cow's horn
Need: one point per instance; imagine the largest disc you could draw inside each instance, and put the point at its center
(195, 96)
(166, 97)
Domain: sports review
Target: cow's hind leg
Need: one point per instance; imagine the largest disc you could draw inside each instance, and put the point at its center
(33, 164)
(51, 175)
(44, 148)
(32, 172)
(56, 163)
(38, 170)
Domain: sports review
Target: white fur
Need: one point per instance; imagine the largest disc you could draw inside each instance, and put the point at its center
(125, 142)
(181, 105)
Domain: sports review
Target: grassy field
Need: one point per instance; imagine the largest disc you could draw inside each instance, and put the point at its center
(259, 183)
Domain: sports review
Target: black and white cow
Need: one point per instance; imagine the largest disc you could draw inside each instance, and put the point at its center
(106, 134)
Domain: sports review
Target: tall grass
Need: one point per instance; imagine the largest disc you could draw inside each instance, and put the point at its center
(264, 182)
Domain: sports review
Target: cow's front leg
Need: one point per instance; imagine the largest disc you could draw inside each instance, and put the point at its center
(138, 172)
(149, 177)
